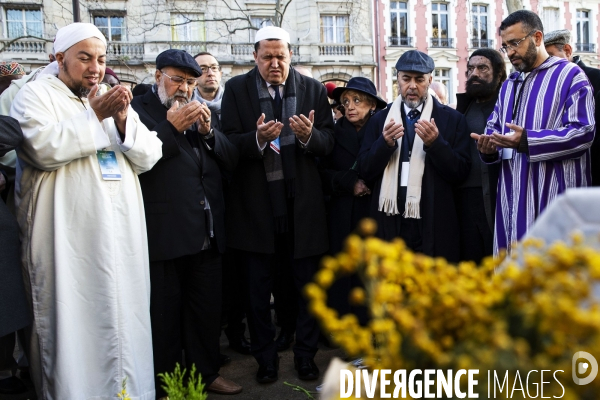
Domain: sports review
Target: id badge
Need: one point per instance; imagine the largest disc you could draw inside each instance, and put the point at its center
(404, 173)
(109, 165)
(275, 146)
(507, 153)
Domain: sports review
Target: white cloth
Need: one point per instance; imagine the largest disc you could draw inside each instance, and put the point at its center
(272, 32)
(74, 33)
(85, 250)
(388, 197)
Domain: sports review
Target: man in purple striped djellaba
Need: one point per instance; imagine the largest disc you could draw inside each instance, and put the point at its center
(540, 131)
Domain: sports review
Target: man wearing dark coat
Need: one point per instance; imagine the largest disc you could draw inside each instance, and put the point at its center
(280, 122)
(476, 196)
(185, 218)
(14, 312)
(416, 151)
(558, 44)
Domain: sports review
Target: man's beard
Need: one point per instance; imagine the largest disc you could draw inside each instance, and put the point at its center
(167, 100)
(528, 60)
(483, 90)
(77, 88)
(415, 103)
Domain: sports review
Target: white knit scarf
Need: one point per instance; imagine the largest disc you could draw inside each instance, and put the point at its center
(388, 197)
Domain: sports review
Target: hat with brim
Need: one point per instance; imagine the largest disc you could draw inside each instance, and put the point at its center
(363, 85)
(178, 59)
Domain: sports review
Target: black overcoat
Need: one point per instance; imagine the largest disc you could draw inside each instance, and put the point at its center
(339, 172)
(593, 75)
(14, 311)
(174, 190)
(447, 163)
(489, 172)
(250, 225)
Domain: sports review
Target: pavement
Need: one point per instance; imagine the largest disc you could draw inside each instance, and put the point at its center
(242, 370)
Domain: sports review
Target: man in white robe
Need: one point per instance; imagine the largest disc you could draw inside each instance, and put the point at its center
(83, 237)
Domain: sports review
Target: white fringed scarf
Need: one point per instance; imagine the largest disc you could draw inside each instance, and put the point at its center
(388, 197)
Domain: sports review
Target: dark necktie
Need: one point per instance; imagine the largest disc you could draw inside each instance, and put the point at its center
(277, 102)
(414, 114)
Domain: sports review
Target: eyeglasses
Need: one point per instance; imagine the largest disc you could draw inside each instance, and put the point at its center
(514, 44)
(178, 80)
(213, 68)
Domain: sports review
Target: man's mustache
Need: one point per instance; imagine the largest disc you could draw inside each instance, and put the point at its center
(475, 79)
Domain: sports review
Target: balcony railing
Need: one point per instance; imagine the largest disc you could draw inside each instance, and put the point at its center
(442, 42)
(24, 46)
(481, 43)
(336, 50)
(191, 47)
(126, 51)
(586, 47)
(401, 41)
(242, 49)
(246, 49)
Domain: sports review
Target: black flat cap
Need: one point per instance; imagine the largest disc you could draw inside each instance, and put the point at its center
(415, 61)
(178, 59)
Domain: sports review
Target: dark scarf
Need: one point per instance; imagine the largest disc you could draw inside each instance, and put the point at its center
(280, 168)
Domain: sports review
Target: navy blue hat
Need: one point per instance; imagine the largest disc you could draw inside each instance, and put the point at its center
(363, 85)
(415, 61)
(179, 59)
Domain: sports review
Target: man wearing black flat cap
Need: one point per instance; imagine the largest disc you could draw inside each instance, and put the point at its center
(183, 200)
(416, 152)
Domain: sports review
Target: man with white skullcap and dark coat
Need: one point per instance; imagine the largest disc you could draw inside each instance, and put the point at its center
(83, 231)
(280, 122)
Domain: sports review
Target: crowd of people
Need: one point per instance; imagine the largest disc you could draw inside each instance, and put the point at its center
(149, 223)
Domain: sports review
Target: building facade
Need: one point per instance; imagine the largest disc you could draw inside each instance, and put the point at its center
(449, 31)
(333, 38)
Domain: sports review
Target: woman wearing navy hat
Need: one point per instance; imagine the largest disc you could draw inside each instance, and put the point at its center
(350, 195)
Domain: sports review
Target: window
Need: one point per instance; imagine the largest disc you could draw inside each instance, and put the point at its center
(442, 75)
(187, 28)
(480, 26)
(550, 19)
(399, 24)
(335, 29)
(23, 22)
(583, 31)
(439, 20)
(112, 27)
(259, 22)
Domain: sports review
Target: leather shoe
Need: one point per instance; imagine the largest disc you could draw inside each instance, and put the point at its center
(306, 367)
(267, 373)
(284, 340)
(239, 344)
(224, 386)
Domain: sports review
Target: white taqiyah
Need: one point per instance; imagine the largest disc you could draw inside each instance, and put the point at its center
(75, 33)
(272, 32)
